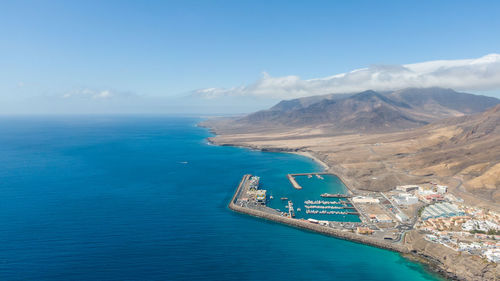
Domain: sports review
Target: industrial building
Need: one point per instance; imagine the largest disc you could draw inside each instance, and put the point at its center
(260, 196)
(405, 199)
(254, 183)
(407, 188)
(441, 189)
(424, 191)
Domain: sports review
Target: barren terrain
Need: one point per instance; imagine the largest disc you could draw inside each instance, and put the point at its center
(462, 152)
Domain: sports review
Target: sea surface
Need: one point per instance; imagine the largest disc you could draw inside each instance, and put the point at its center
(145, 198)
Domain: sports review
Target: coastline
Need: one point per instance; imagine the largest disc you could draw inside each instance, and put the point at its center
(433, 261)
(314, 158)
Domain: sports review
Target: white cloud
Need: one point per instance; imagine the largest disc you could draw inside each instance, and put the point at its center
(482, 74)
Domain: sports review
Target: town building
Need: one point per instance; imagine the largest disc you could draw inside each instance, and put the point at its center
(405, 199)
(480, 225)
(254, 183)
(424, 191)
(493, 255)
(364, 230)
(407, 188)
(402, 217)
(433, 198)
(441, 189)
(365, 200)
(260, 196)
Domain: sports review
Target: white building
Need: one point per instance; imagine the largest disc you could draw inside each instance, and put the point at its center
(493, 255)
(442, 189)
(365, 200)
(405, 199)
(260, 196)
(479, 225)
(425, 191)
(402, 217)
(407, 188)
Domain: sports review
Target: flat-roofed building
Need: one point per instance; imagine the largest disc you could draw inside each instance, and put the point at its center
(260, 196)
(405, 199)
(364, 230)
(441, 189)
(407, 188)
(402, 217)
(365, 200)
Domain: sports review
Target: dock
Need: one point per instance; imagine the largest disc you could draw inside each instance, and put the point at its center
(291, 178)
(312, 174)
(291, 212)
(335, 195)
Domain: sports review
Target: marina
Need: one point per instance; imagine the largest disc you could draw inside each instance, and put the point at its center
(332, 213)
(306, 202)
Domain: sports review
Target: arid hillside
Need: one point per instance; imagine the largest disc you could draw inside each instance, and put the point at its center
(463, 152)
(365, 112)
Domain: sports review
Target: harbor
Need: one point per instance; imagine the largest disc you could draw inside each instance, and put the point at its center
(312, 191)
(245, 203)
(390, 220)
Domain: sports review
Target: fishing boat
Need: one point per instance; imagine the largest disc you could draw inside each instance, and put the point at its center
(284, 198)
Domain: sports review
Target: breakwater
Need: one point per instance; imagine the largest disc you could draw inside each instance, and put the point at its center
(306, 225)
(292, 180)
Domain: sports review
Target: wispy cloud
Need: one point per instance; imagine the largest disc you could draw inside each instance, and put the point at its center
(90, 94)
(467, 74)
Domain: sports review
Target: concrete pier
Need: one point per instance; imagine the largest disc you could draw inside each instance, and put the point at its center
(291, 178)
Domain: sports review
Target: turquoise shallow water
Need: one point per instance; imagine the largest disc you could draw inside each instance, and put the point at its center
(312, 188)
(145, 198)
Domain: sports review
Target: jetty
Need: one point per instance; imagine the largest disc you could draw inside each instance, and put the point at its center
(291, 177)
(291, 212)
(335, 195)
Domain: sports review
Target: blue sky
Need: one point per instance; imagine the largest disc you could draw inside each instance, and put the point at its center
(158, 49)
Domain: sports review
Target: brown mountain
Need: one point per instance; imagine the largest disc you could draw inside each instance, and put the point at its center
(368, 111)
(462, 152)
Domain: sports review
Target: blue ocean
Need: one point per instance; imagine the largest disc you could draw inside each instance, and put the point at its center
(145, 198)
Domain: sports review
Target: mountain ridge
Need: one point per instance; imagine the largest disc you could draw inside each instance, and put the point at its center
(370, 111)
